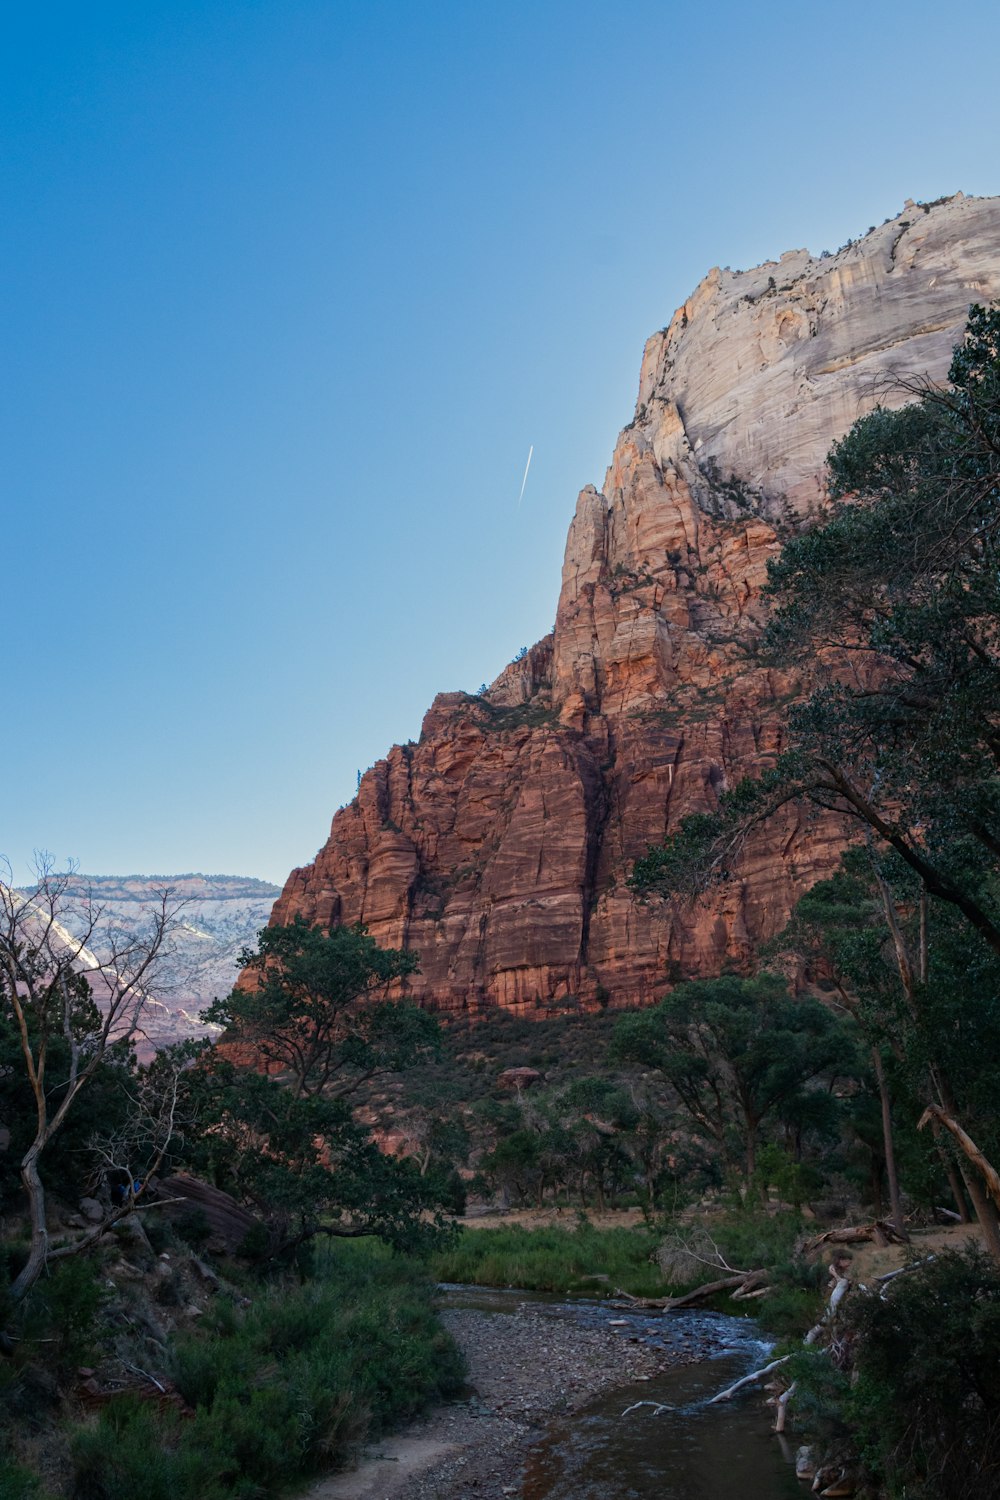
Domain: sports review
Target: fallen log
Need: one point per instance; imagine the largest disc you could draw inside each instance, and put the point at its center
(749, 1380)
(781, 1412)
(658, 1407)
(760, 1291)
(914, 1265)
(744, 1281)
(625, 1299)
(841, 1286)
(854, 1234)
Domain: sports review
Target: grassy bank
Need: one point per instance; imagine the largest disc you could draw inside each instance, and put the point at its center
(279, 1384)
(583, 1261)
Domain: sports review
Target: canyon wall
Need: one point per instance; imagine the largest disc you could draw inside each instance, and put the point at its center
(498, 847)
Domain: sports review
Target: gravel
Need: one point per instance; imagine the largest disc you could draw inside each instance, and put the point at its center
(526, 1367)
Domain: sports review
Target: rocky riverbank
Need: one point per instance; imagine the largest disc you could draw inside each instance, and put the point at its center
(526, 1366)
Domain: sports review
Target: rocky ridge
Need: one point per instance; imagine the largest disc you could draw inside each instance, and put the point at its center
(498, 847)
(220, 915)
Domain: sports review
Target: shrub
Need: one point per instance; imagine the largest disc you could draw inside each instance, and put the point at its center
(16, 1482)
(63, 1309)
(750, 1238)
(132, 1453)
(281, 1388)
(926, 1402)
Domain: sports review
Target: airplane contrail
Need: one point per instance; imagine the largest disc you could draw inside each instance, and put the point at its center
(525, 479)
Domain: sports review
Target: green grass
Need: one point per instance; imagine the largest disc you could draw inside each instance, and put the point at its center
(554, 1260)
(281, 1389)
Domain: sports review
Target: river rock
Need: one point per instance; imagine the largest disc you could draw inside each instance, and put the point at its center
(805, 1463)
(518, 1078)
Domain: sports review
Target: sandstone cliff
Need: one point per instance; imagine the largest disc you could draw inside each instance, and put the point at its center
(498, 847)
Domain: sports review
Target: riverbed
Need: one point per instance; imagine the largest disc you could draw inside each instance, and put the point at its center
(549, 1381)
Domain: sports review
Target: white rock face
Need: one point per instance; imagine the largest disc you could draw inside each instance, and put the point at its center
(760, 371)
(740, 400)
(221, 915)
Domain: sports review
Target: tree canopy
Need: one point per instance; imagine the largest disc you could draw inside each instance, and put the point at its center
(318, 1007)
(892, 607)
(736, 1052)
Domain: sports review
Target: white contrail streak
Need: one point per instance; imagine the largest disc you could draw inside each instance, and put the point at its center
(525, 479)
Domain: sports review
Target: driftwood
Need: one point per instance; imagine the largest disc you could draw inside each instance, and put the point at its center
(880, 1230)
(658, 1407)
(749, 1380)
(914, 1265)
(146, 1376)
(781, 1405)
(625, 1299)
(742, 1283)
(841, 1286)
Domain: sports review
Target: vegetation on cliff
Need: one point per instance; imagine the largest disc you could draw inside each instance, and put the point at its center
(895, 600)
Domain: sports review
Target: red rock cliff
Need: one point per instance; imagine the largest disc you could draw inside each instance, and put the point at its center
(498, 847)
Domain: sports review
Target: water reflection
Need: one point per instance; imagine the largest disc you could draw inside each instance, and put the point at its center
(691, 1452)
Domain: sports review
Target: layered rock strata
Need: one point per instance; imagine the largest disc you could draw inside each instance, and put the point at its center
(498, 847)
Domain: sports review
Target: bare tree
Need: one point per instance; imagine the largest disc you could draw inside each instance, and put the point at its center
(55, 988)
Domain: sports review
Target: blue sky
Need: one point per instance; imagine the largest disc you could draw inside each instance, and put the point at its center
(289, 289)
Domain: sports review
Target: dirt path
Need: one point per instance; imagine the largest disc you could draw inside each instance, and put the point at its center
(525, 1367)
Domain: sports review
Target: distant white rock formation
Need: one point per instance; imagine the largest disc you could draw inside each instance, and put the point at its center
(221, 915)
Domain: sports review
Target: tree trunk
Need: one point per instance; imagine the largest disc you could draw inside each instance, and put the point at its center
(751, 1158)
(38, 1254)
(895, 1207)
(984, 1189)
(984, 1210)
(956, 1186)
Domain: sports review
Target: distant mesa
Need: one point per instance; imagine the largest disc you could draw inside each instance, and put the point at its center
(222, 914)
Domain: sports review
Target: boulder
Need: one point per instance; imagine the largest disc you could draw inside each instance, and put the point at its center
(518, 1078)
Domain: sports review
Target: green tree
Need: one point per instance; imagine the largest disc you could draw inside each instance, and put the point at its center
(595, 1117)
(316, 1005)
(925, 1401)
(736, 1053)
(514, 1165)
(301, 1162)
(891, 607)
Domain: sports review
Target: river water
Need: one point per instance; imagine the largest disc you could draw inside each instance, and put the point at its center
(692, 1451)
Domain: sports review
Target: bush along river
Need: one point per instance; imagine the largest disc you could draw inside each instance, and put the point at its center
(545, 1417)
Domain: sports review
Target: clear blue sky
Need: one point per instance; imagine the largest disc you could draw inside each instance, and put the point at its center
(288, 290)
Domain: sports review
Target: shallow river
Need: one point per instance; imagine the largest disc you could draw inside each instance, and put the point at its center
(691, 1452)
